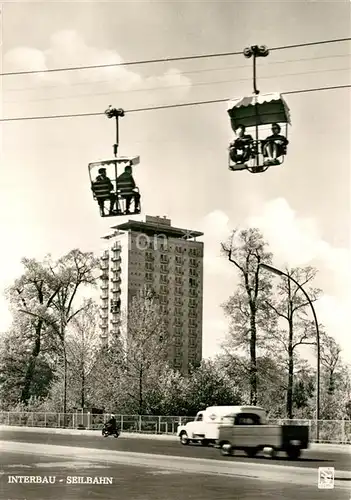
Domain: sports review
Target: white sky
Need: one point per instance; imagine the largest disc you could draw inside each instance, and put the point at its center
(303, 208)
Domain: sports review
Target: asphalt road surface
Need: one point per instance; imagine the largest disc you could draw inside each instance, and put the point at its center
(143, 469)
(309, 458)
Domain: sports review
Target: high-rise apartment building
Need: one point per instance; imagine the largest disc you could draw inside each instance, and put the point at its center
(168, 260)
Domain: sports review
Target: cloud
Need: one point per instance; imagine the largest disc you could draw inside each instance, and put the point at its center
(297, 241)
(215, 331)
(68, 49)
(216, 229)
(24, 59)
(294, 241)
(335, 316)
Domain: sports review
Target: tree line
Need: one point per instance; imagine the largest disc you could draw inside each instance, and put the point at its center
(53, 358)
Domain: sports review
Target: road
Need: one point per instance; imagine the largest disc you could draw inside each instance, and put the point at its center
(143, 469)
(310, 458)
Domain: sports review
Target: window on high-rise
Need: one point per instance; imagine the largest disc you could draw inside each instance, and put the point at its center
(192, 282)
(177, 363)
(149, 256)
(164, 268)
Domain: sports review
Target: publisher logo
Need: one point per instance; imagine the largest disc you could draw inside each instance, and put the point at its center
(326, 478)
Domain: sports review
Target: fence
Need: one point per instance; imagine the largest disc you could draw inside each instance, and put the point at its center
(330, 431)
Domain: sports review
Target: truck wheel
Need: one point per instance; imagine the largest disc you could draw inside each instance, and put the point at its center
(204, 442)
(269, 452)
(251, 452)
(184, 438)
(226, 449)
(293, 452)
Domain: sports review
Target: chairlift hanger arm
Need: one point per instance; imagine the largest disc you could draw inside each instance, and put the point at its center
(255, 51)
(115, 113)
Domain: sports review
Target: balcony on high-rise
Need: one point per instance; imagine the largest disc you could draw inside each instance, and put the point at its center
(116, 279)
(104, 256)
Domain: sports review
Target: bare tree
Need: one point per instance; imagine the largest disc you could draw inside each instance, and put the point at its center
(82, 345)
(291, 306)
(246, 251)
(146, 345)
(330, 360)
(32, 293)
(50, 294)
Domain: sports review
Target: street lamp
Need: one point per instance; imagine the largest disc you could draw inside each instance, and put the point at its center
(281, 273)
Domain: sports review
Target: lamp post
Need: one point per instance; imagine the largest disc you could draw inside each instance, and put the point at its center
(281, 273)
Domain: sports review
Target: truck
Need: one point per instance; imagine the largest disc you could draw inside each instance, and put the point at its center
(204, 428)
(244, 428)
(249, 431)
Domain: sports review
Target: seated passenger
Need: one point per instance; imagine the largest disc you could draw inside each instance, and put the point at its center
(240, 150)
(126, 187)
(274, 146)
(102, 188)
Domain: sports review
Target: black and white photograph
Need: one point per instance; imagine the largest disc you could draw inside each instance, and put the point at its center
(175, 261)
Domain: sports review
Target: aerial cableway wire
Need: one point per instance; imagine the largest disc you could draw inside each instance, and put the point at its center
(188, 72)
(169, 59)
(165, 106)
(193, 85)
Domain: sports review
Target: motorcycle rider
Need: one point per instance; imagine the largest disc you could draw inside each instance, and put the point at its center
(111, 425)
